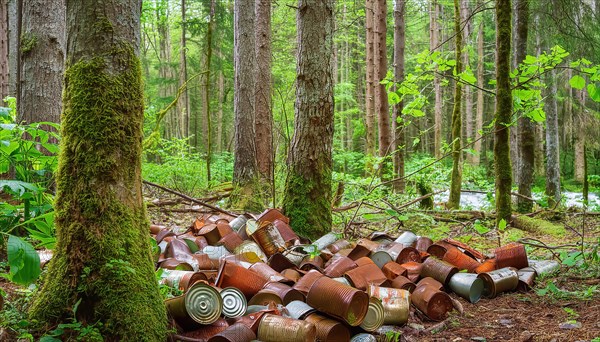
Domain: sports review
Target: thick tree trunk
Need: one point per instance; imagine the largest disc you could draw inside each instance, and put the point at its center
(502, 165)
(307, 198)
(476, 157)
(370, 73)
(4, 80)
(526, 127)
(381, 99)
(434, 29)
(398, 127)
(245, 170)
(42, 60)
(102, 254)
(264, 115)
(456, 177)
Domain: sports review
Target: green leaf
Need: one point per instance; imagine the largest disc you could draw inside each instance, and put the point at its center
(594, 92)
(480, 228)
(416, 141)
(529, 59)
(18, 187)
(577, 82)
(502, 225)
(393, 98)
(23, 260)
(468, 76)
(537, 115)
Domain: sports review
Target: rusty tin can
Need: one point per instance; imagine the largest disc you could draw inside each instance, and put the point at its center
(431, 282)
(267, 272)
(234, 333)
(174, 264)
(375, 315)
(234, 302)
(329, 330)
(407, 238)
(269, 239)
(511, 255)
(381, 257)
(467, 285)
(401, 282)
(364, 275)
(396, 303)
(280, 262)
(251, 247)
(338, 266)
(423, 243)
(338, 245)
(286, 232)
(325, 240)
(298, 309)
(216, 252)
(311, 262)
(433, 303)
(230, 241)
(526, 278)
(285, 292)
(392, 270)
(177, 249)
(292, 274)
(305, 283)
(438, 270)
(272, 214)
(294, 256)
(273, 328)
(486, 266)
(239, 223)
(544, 266)
(265, 297)
(338, 300)
(461, 260)
(363, 248)
(181, 280)
(498, 281)
(414, 270)
(247, 281)
(201, 304)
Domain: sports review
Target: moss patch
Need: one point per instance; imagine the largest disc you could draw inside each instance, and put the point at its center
(28, 42)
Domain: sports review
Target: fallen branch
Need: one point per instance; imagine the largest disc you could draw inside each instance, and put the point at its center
(191, 199)
(346, 207)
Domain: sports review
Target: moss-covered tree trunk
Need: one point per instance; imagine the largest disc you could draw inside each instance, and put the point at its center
(502, 165)
(307, 198)
(102, 257)
(455, 185)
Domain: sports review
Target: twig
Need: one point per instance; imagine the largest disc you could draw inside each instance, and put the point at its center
(189, 198)
(418, 199)
(545, 246)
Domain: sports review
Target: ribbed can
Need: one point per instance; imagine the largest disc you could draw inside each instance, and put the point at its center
(392, 270)
(338, 245)
(286, 232)
(177, 310)
(338, 300)
(273, 328)
(396, 303)
(299, 310)
(338, 266)
(438, 270)
(270, 274)
(203, 303)
(459, 259)
(305, 283)
(310, 262)
(271, 215)
(247, 281)
(235, 333)
(544, 266)
(181, 280)
(285, 292)
(375, 315)
(414, 270)
(401, 253)
(325, 240)
(342, 280)
(403, 283)
(363, 248)
(526, 279)
(486, 266)
(269, 239)
(251, 246)
(329, 330)
(362, 276)
(511, 255)
(231, 241)
(234, 302)
(423, 243)
(498, 281)
(363, 337)
(433, 303)
(407, 238)
(202, 261)
(429, 281)
(239, 223)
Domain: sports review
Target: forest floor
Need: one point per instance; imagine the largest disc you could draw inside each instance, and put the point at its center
(561, 307)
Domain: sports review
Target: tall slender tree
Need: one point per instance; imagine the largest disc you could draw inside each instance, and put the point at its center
(370, 111)
(455, 185)
(101, 262)
(183, 105)
(397, 121)
(476, 157)
(552, 142)
(4, 80)
(307, 198)
(502, 165)
(434, 42)
(381, 99)
(206, 87)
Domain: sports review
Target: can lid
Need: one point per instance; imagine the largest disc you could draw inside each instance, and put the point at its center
(203, 303)
(375, 315)
(234, 302)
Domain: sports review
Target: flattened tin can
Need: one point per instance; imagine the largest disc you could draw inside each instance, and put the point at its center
(329, 330)
(234, 302)
(526, 279)
(230, 241)
(280, 262)
(311, 262)
(338, 266)
(362, 276)
(544, 266)
(498, 281)
(363, 248)
(267, 272)
(273, 328)
(396, 303)
(438, 270)
(305, 283)
(375, 315)
(269, 239)
(414, 270)
(401, 282)
(338, 300)
(511, 255)
(392, 270)
(247, 281)
(433, 303)
(272, 214)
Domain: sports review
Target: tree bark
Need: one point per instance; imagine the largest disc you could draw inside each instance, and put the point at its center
(14, 32)
(370, 74)
(101, 261)
(42, 60)
(476, 158)
(580, 137)
(245, 170)
(264, 115)
(4, 80)
(307, 197)
(434, 29)
(183, 105)
(456, 177)
(469, 119)
(171, 123)
(207, 87)
(526, 127)
(381, 98)
(502, 165)
(398, 127)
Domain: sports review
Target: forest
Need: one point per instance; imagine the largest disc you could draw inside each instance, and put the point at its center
(342, 170)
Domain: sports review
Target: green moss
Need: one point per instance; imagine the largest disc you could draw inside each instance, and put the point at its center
(102, 256)
(247, 197)
(307, 203)
(28, 42)
(538, 226)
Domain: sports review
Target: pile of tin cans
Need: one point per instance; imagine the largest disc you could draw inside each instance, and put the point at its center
(252, 278)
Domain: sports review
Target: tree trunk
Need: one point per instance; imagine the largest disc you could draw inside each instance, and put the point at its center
(183, 105)
(307, 197)
(476, 158)
(526, 127)
(221, 88)
(207, 87)
(264, 115)
(580, 137)
(171, 123)
(540, 170)
(42, 60)
(101, 261)
(456, 181)
(502, 165)
(434, 29)
(14, 32)
(370, 84)
(245, 170)
(398, 127)
(381, 98)
(469, 119)
(4, 80)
